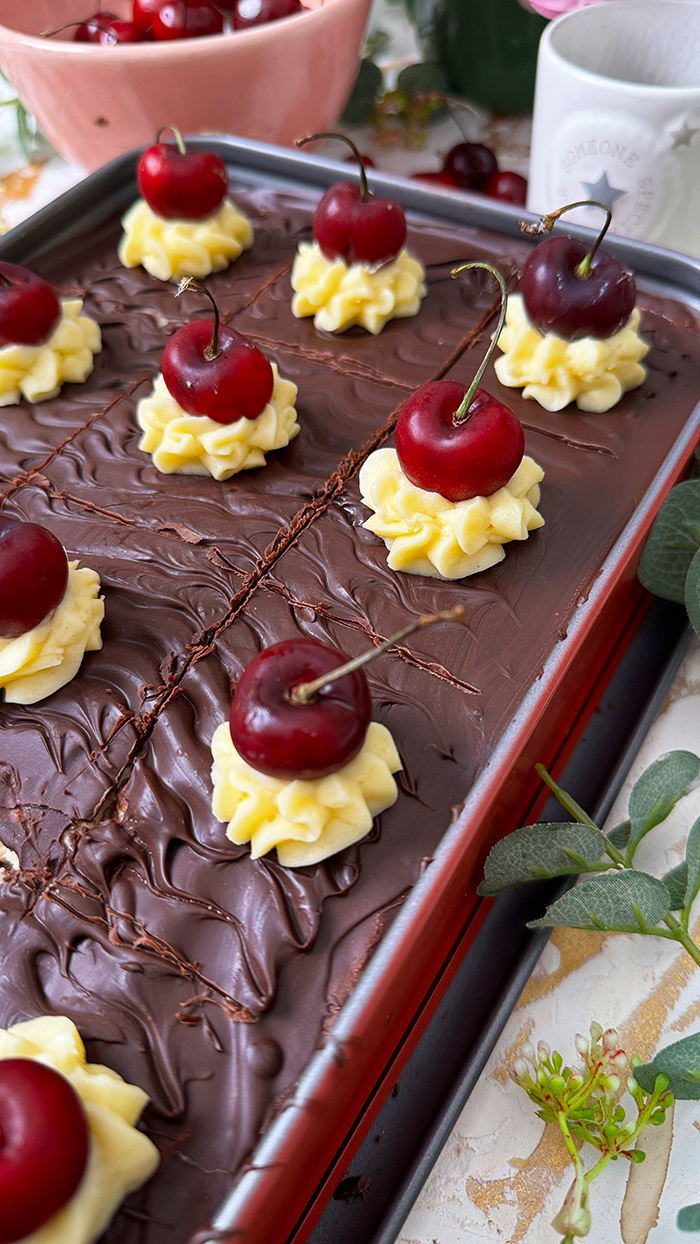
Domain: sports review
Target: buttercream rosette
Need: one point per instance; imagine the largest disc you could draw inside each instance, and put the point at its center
(339, 296)
(426, 534)
(36, 664)
(305, 820)
(68, 357)
(197, 445)
(120, 1159)
(172, 249)
(594, 372)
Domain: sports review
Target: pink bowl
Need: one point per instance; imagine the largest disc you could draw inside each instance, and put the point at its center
(274, 83)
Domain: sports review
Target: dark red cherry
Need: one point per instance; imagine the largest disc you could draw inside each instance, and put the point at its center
(508, 187)
(351, 224)
(439, 178)
(186, 19)
(90, 31)
(472, 459)
(247, 13)
(179, 184)
(44, 1145)
(559, 301)
(216, 371)
(117, 31)
(144, 13)
(33, 576)
(288, 740)
(29, 307)
(366, 160)
(471, 165)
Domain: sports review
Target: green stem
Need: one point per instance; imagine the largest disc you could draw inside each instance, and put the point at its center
(462, 412)
(343, 138)
(599, 1167)
(679, 934)
(178, 137)
(565, 800)
(547, 223)
(570, 1143)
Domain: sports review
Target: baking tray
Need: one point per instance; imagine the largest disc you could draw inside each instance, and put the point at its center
(378, 1191)
(280, 1194)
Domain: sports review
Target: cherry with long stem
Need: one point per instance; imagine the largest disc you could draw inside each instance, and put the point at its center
(312, 138)
(213, 350)
(548, 221)
(462, 411)
(307, 692)
(181, 145)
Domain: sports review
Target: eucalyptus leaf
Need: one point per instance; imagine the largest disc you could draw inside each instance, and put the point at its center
(676, 882)
(658, 790)
(424, 79)
(692, 859)
(681, 1063)
(368, 84)
(543, 850)
(688, 1218)
(620, 835)
(673, 542)
(617, 902)
(692, 593)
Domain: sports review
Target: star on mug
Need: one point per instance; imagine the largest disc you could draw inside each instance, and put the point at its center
(602, 191)
(683, 136)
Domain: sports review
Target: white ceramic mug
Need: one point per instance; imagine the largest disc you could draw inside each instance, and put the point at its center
(617, 118)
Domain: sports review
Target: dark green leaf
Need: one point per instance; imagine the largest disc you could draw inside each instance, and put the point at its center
(368, 84)
(673, 542)
(541, 851)
(618, 902)
(620, 835)
(423, 79)
(681, 1063)
(688, 1218)
(692, 592)
(692, 859)
(658, 790)
(377, 40)
(676, 882)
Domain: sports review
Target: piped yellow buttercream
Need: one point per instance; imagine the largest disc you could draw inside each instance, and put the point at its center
(305, 820)
(37, 372)
(196, 445)
(120, 1159)
(171, 249)
(593, 372)
(426, 534)
(36, 664)
(339, 296)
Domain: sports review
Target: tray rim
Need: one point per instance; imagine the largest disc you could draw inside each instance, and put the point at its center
(93, 200)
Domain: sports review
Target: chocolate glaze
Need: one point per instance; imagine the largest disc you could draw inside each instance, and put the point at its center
(205, 977)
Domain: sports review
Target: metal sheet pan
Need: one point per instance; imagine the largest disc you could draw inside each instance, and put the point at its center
(279, 1196)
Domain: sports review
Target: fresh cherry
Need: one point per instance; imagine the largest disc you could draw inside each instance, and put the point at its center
(471, 165)
(439, 178)
(219, 374)
(117, 31)
(89, 31)
(351, 224)
(508, 187)
(144, 13)
(289, 740)
(33, 578)
(29, 306)
(247, 13)
(44, 1145)
(178, 184)
(574, 290)
(460, 442)
(186, 19)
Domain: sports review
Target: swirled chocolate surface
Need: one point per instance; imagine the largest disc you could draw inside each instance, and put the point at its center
(206, 977)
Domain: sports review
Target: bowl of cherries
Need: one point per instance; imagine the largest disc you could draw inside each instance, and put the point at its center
(100, 83)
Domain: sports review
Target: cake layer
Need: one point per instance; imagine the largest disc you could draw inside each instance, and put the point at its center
(203, 976)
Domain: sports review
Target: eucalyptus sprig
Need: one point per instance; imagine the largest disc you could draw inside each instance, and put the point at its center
(584, 1103)
(670, 564)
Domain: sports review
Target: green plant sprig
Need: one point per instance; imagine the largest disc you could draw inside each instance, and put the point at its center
(670, 564)
(584, 1103)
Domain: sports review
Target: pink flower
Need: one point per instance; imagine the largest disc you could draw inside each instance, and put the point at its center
(554, 8)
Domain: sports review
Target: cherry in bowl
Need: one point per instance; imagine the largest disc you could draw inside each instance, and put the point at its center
(186, 19)
(44, 1145)
(247, 13)
(33, 576)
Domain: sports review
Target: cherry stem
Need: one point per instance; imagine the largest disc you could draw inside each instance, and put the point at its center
(48, 34)
(178, 139)
(212, 351)
(547, 223)
(306, 692)
(462, 411)
(311, 138)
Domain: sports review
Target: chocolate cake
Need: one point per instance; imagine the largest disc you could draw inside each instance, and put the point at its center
(205, 977)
